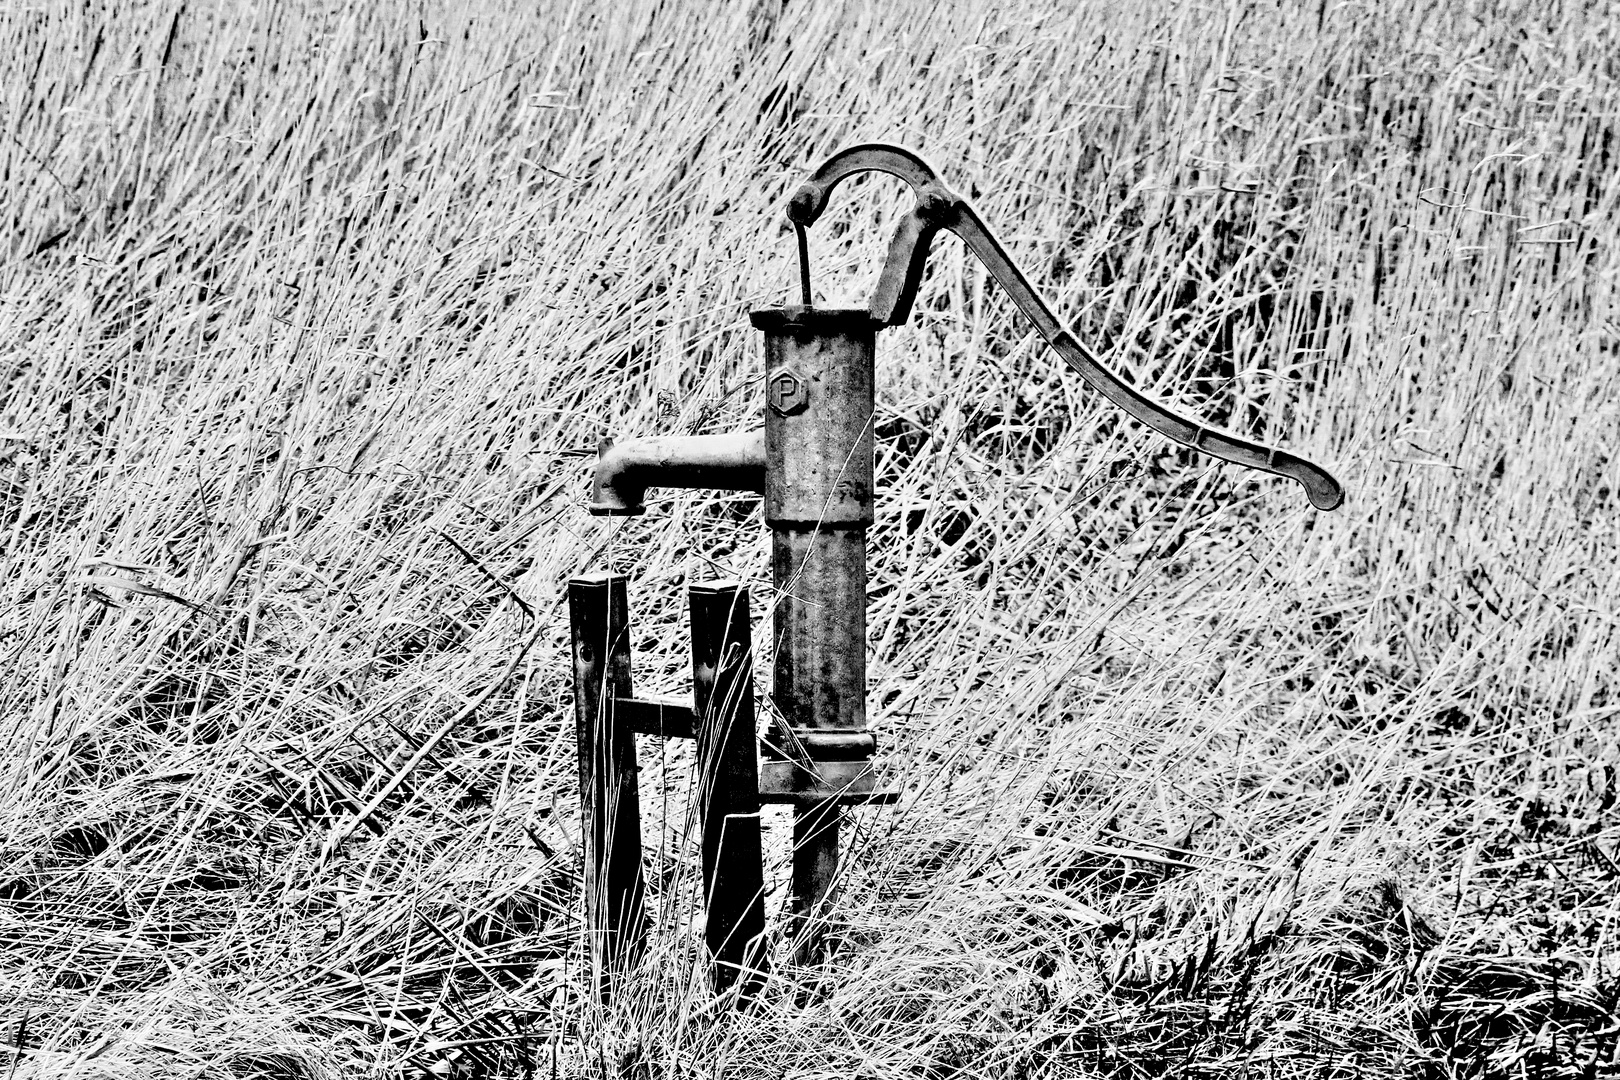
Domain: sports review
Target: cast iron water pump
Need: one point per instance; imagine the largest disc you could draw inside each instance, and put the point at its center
(813, 464)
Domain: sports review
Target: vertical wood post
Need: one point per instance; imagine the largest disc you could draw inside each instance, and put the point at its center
(615, 893)
(728, 784)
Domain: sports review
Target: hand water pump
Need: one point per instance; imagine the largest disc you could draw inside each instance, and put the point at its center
(813, 463)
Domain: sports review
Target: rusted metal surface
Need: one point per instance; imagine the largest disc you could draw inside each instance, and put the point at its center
(624, 471)
(819, 671)
(728, 784)
(818, 459)
(615, 892)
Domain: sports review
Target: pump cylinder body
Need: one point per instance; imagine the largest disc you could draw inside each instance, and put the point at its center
(819, 674)
(818, 505)
(818, 418)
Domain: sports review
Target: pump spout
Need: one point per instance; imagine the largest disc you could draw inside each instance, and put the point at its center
(734, 461)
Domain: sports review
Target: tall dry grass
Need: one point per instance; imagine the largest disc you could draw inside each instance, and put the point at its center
(312, 312)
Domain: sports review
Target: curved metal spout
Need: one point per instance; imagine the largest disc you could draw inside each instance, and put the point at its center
(734, 461)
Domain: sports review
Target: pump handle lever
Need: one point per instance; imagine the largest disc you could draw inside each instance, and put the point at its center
(940, 208)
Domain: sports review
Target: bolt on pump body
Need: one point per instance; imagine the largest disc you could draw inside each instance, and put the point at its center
(813, 464)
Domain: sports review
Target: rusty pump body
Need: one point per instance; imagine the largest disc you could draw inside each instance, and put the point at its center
(813, 464)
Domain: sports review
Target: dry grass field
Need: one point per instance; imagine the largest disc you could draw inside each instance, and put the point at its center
(311, 315)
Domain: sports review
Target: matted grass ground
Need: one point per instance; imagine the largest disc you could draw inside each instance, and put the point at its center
(310, 315)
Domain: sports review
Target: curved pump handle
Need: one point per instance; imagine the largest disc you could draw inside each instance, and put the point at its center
(940, 208)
